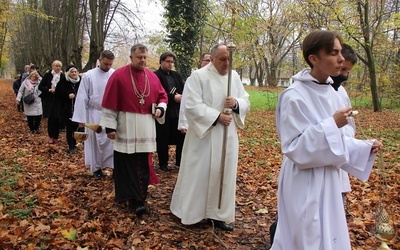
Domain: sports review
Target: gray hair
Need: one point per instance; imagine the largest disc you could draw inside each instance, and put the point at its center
(138, 46)
(214, 50)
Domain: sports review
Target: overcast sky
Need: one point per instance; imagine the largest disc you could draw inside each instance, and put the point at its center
(151, 12)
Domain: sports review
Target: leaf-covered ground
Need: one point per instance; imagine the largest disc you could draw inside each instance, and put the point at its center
(49, 200)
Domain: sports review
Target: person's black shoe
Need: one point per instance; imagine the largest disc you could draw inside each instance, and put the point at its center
(32, 131)
(70, 151)
(37, 131)
(98, 174)
(140, 210)
(272, 230)
(137, 207)
(164, 168)
(222, 225)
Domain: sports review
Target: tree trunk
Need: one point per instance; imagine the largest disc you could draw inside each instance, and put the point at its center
(184, 23)
(252, 75)
(101, 16)
(364, 12)
(372, 74)
(260, 74)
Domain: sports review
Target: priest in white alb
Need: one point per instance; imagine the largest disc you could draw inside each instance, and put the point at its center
(196, 194)
(87, 109)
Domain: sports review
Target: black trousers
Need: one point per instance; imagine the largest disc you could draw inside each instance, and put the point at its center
(131, 176)
(53, 125)
(71, 128)
(34, 121)
(168, 134)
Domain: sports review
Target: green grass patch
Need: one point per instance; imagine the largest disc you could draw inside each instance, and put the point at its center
(366, 102)
(15, 202)
(20, 213)
(363, 99)
(263, 100)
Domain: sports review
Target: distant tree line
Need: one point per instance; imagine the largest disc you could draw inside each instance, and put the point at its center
(72, 31)
(267, 35)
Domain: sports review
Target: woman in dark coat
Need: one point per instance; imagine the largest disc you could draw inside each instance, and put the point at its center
(66, 93)
(51, 104)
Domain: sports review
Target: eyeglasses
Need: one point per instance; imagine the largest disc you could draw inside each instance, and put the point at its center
(169, 61)
(206, 60)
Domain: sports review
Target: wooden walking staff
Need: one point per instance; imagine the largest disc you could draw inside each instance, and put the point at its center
(231, 48)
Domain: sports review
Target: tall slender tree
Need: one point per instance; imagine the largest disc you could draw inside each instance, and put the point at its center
(183, 23)
(99, 23)
(4, 13)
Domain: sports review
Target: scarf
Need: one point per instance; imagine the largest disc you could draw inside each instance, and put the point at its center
(56, 78)
(73, 80)
(31, 83)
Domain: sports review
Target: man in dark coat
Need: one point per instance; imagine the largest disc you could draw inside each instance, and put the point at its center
(168, 133)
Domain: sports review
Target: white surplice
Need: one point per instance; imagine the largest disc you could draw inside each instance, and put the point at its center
(349, 130)
(310, 208)
(182, 121)
(136, 133)
(87, 109)
(196, 192)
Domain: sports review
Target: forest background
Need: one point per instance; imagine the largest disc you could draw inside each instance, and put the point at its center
(267, 35)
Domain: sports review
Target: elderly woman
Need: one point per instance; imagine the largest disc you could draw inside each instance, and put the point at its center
(66, 92)
(51, 104)
(33, 111)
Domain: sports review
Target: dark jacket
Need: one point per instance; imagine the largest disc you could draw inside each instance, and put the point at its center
(63, 90)
(173, 107)
(16, 85)
(49, 101)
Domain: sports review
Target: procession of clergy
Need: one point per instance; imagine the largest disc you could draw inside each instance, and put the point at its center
(143, 112)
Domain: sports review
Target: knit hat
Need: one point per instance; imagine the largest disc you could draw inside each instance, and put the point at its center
(70, 67)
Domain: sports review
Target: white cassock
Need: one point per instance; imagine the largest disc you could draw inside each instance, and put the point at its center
(310, 208)
(349, 130)
(196, 191)
(182, 121)
(98, 148)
